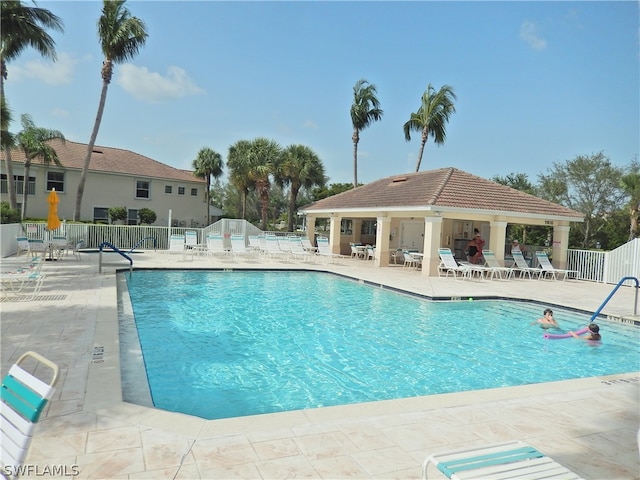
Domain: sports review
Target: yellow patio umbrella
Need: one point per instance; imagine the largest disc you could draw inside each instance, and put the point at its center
(53, 222)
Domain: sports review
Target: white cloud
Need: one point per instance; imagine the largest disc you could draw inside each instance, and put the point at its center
(154, 88)
(60, 113)
(528, 33)
(310, 124)
(59, 72)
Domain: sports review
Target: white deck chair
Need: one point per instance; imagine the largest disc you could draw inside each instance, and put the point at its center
(254, 243)
(24, 397)
(239, 247)
(23, 245)
(449, 265)
(297, 249)
(215, 245)
(490, 259)
(273, 247)
(324, 249)
(508, 460)
(306, 243)
(176, 246)
(190, 239)
(522, 267)
(549, 270)
(59, 246)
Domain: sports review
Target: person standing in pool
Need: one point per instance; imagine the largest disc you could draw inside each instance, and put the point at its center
(547, 320)
(593, 334)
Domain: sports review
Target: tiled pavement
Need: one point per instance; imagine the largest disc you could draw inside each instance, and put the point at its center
(589, 425)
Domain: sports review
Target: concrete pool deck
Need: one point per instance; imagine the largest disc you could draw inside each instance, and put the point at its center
(589, 425)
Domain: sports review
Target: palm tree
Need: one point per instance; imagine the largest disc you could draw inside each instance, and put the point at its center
(364, 111)
(121, 37)
(238, 164)
(208, 164)
(22, 27)
(432, 117)
(33, 141)
(264, 160)
(631, 185)
(300, 167)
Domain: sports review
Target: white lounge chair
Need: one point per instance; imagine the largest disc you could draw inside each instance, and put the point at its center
(23, 245)
(239, 247)
(24, 397)
(324, 249)
(297, 249)
(522, 267)
(176, 246)
(215, 245)
(273, 247)
(306, 243)
(491, 261)
(449, 265)
(549, 270)
(508, 460)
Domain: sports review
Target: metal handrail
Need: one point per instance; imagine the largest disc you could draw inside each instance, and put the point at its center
(117, 250)
(615, 289)
(155, 243)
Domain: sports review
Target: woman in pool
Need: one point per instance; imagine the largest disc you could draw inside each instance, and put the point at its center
(547, 320)
(593, 335)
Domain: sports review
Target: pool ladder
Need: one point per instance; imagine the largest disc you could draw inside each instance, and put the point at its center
(615, 289)
(117, 250)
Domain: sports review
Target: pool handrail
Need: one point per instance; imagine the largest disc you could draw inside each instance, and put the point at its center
(615, 289)
(155, 243)
(115, 249)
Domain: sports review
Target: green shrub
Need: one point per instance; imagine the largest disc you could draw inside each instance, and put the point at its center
(147, 216)
(7, 214)
(117, 213)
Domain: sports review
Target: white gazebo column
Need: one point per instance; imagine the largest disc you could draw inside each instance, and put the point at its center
(560, 245)
(334, 233)
(383, 232)
(432, 241)
(311, 228)
(498, 234)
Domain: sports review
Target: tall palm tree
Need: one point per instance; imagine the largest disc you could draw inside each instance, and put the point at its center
(121, 37)
(364, 111)
(300, 167)
(238, 165)
(34, 142)
(432, 117)
(208, 164)
(22, 27)
(264, 160)
(631, 185)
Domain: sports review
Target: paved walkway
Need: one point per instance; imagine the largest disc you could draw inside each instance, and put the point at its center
(589, 425)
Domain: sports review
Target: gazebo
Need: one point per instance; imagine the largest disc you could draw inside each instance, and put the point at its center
(433, 209)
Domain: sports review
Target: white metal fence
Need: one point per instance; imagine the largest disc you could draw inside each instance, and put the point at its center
(597, 266)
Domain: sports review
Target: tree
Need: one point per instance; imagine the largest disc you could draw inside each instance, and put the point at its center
(431, 118)
(264, 160)
(238, 164)
(630, 184)
(587, 184)
(364, 111)
(121, 37)
(21, 27)
(147, 216)
(300, 167)
(33, 141)
(519, 181)
(208, 165)
(117, 213)
(319, 193)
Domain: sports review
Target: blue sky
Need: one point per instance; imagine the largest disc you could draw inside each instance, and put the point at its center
(537, 82)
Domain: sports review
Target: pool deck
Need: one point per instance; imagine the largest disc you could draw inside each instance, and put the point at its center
(589, 425)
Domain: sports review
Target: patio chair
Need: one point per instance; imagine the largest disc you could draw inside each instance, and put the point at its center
(324, 249)
(371, 252)
(239, 247)
(522, 267)
(23, 245)
(549, 270)
(306, 243)
(215, 244)
(59, 245)
(449, 265)
(190, 239)
(24, 397)
(297, 248)
(176, 246)
(273, 245)
(503, 460)
(491, 261)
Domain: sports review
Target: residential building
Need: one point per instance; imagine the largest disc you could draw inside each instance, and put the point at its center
(116, 178)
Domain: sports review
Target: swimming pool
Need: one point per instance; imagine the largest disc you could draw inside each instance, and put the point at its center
(224, 344)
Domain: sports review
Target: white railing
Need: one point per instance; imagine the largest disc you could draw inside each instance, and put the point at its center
(596, 266)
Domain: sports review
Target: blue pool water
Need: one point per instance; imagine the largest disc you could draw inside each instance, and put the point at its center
(225, 344)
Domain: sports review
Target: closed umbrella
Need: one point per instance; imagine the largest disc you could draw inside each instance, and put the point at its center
(53, 222)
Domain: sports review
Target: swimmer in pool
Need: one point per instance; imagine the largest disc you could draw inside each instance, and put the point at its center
(547, 320)
(593, 334)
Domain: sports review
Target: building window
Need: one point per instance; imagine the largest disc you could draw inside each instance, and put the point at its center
(180, 190)
(55, 180)
(132, 217)
(142, 189)
(101, 215)
(346, 226)
(368, 227)
(19, 184)
(168, 189)
(194, 192)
